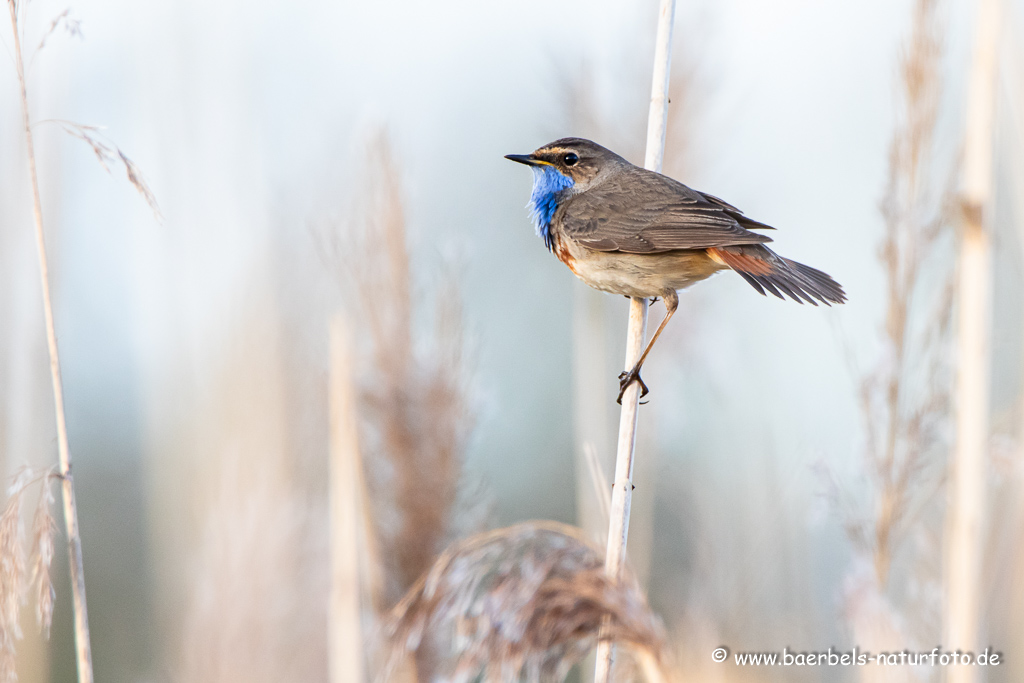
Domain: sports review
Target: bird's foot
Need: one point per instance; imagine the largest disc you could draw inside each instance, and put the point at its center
(654, 300)
(626, 378)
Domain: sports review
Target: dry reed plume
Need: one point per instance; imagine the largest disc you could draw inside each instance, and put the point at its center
(411, 390)
(905, 401)
(43, 529)
(15, 580)
(525, 601)
(107, 154)
(72, 26)
(411, 395)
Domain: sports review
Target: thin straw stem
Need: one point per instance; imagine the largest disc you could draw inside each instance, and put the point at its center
(345, 633)
(83, 649)
(965, 523)
(622, 488)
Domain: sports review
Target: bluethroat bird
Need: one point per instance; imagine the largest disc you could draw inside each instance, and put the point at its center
(626, 230)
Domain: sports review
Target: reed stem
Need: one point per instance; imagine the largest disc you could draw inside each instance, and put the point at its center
(345, 633)
(83, 649)
(965, 522)
(622, 488)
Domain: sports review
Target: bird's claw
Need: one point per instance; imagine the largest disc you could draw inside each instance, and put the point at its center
(626, 377)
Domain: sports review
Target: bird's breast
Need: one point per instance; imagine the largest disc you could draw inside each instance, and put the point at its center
(636, 275)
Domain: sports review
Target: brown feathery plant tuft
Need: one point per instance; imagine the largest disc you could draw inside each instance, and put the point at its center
(12, 564)
(412, 395)
(43, 529)
(906, 400)
(525, 601)
(72, 25)
(12, 568)
(108, 153)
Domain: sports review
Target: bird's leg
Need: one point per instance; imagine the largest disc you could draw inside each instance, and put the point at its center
(627, 377)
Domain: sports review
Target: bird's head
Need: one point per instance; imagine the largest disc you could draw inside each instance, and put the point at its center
(561, 169)
(580, 162)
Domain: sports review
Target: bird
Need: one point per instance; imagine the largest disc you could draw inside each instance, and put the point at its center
(626, 230)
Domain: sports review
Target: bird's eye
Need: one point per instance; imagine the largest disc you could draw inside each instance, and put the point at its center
(570, 159)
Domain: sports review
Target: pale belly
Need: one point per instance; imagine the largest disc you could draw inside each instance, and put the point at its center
(637, 275)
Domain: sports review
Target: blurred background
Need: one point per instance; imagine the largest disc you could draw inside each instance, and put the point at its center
(313, 160)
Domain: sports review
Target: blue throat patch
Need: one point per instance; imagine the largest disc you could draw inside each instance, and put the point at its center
(548, 184)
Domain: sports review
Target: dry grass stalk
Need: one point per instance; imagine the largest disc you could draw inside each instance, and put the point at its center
(965, 521)
(622, 486)
(106, 152)
(345, 632)
(412, 396)
(83, 648)
(905, 401)
(525, 601)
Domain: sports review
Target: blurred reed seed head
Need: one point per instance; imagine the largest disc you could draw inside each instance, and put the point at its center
(906, 399)
(412, 390)
(525, 601)
(43, 529)
(107, 152)
(12, 569)
(14, 581)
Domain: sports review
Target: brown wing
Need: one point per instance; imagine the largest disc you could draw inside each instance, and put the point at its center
(641, 212)
(732, 211)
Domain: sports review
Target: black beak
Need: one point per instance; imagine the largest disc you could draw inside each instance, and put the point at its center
(522, 159)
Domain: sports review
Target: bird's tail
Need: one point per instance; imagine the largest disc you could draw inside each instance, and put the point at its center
(766, 270)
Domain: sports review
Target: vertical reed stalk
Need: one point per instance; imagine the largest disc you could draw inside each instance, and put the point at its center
(83, 649)
(965, 521)
(345, 633)
(622, 488)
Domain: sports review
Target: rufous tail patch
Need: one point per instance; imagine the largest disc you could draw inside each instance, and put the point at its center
(741, 262)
